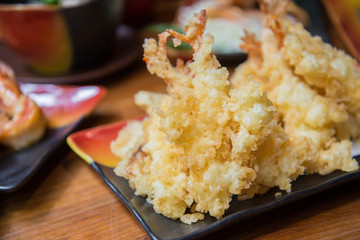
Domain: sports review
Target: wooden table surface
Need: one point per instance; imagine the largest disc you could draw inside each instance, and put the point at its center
(66, 199)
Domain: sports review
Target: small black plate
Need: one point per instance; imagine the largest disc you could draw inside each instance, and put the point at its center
(161, 228)
(16, 168)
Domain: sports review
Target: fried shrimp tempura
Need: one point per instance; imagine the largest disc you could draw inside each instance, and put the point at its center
(22, 122)
(198, 145)
(316, 90)
(206, 140)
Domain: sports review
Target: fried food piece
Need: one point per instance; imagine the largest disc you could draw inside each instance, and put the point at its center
(315, 89)
(331, 73)
(204, 140)
(21, 120)
(198, 145)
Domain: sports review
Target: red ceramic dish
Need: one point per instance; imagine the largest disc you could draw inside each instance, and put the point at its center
(38, 34)
(56, 39)
(125, 50)
(93, 145)
(62, 104)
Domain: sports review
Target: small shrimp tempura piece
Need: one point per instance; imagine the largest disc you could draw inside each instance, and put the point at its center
(21, 120)
(197, 147)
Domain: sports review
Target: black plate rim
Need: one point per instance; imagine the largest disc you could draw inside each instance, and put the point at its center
(42, 158)
(240, 215)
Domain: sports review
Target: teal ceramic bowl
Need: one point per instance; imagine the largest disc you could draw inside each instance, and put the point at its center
(55, 39)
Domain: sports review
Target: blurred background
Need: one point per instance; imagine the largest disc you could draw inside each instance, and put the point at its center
(87, 39)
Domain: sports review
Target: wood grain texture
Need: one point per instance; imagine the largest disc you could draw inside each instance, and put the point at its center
(66, 199)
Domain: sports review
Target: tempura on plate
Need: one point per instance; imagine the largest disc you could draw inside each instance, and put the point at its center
(314, 87)
(197, 147)
(206, 140)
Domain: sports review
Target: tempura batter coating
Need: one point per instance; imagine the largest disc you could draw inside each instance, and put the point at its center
(22, 122)
(315, 89)
(198, 145)
(205, 140)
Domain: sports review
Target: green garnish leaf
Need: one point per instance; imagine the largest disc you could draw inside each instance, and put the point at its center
(55, 2)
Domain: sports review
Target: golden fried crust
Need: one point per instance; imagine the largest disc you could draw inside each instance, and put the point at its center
(206, 140)
(22, 122)
(315, 89)
(199, 141)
